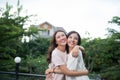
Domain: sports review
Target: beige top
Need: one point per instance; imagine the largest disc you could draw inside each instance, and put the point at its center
(58, 58)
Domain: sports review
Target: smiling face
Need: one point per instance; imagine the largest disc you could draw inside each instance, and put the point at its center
(61, 39)
(72, 40)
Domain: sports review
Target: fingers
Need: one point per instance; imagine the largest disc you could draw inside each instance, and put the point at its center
(48, 71)
(81, 48)
(49, 76)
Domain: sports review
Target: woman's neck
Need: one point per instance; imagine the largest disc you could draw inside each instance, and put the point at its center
(61, 48)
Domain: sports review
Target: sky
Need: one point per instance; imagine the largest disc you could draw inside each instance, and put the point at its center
(83, 16)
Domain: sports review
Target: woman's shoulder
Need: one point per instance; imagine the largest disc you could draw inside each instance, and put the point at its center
(55, 51)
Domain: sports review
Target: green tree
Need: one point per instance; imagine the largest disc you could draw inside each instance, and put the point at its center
(112, 72)
(11, 33)
(11, 30)
(114, 39)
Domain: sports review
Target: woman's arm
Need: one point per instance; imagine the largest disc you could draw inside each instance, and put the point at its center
(64, 70)
(68, 72)
(76, 49)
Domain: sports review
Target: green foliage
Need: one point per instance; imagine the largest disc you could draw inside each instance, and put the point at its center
(43, 44)
(11, 32)
(7, 65)
(114, 39)
(36, 65)
(111, 73)
(115, 20)
(100, 54)
(33, 54)
(37, 47)
(104, 54)
(31, 31)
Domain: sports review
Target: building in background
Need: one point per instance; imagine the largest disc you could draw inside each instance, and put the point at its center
(47, 30)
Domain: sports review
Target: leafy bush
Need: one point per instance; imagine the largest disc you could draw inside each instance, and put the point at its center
(112, 73)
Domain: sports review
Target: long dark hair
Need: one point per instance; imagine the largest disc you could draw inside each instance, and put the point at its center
(79, 41)
(53, 45)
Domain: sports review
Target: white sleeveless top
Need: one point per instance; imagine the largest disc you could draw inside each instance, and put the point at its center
(76, 63)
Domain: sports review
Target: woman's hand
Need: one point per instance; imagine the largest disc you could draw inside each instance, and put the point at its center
(48, 71)
(49, 76)
(81, 48)
(75, 51)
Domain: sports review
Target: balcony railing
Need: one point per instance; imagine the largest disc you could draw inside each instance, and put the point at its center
(22, 76)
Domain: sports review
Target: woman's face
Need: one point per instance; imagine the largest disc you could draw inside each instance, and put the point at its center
(61, 39)
(72, 40)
